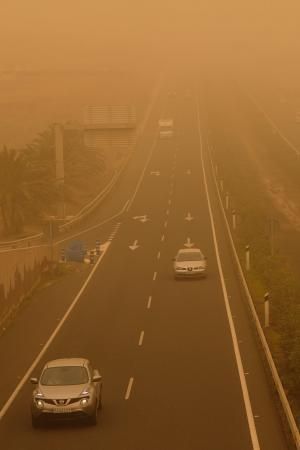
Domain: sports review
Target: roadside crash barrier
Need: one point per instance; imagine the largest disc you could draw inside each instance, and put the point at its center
(286, 408)
(97, 247)
(92, 257)
(62, 255)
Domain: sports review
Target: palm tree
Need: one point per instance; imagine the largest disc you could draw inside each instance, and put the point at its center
(26, 188)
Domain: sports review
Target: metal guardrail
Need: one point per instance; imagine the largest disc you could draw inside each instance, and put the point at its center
(86, 210)
(29, 241)
(102, 195)
(273, 370)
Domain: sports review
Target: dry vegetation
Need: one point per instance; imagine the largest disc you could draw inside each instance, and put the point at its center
(261, 175)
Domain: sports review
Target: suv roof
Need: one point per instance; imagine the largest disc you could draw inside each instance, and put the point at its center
(67, 362)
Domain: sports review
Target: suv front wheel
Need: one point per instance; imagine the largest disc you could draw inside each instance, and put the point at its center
(94, 417)
(35, 421)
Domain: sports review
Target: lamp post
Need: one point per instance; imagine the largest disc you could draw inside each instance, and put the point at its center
(59, 167)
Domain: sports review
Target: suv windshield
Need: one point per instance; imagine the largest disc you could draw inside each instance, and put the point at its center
(61, 376)
(192, 256)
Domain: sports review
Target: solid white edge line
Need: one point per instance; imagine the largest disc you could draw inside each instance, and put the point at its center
(129, 387)
(20, 385)
(141, 338)
(247, 402)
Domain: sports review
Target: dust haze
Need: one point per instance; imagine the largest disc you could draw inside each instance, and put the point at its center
(258, 36)
(253, 41)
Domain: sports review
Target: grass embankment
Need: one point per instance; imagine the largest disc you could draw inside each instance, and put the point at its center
(260, 225)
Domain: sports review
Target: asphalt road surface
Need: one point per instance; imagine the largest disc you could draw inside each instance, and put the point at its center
(181, 367)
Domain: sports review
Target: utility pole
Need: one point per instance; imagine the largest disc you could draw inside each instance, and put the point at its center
(59, 167)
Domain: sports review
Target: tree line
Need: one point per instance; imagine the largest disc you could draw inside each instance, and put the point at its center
(28, 187)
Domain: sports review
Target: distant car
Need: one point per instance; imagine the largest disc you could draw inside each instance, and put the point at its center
(166, 128)
(189, 263)
(67, 389)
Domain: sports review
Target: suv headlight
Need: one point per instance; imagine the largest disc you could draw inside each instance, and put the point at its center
(39, 403)
(84, 401)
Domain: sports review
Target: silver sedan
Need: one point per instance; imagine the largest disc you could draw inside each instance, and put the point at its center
(190, 263)
(67, 389)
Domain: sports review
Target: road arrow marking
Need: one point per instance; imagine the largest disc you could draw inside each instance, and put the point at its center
(188, 243)
(134, 246)
(141, 218)
(189, 217)
(156, 173)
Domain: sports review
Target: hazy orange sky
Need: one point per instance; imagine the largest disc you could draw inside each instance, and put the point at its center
(65, 33)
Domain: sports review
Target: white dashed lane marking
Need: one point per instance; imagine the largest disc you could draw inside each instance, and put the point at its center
(129, 387)
(149, 302)
(114, 232)
(141, 338)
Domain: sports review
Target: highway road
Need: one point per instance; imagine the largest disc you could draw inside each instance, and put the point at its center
(181, 367)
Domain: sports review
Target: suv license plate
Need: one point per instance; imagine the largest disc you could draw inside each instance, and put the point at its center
(62, 410)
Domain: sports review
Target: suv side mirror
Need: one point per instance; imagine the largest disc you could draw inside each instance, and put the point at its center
(96, 378)
(34, 381)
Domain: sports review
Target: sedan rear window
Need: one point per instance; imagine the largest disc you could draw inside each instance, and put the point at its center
(192, 256)
(64, 376)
